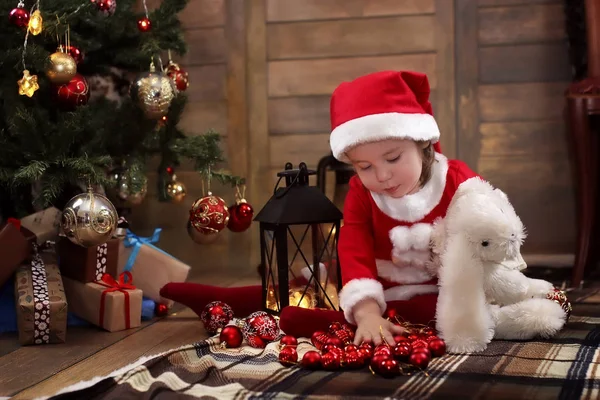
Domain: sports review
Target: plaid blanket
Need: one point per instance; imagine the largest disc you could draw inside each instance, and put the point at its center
(566, 367)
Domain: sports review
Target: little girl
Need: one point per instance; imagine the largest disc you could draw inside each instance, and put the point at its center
(383, 125)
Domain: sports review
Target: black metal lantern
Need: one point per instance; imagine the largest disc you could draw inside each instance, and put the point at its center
(342, 172)
(299, 228)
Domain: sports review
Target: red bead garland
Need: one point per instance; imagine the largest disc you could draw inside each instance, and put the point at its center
(412, 351)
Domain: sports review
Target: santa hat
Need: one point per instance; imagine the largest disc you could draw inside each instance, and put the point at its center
(381, 105)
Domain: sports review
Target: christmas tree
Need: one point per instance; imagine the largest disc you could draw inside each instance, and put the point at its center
(60, 131)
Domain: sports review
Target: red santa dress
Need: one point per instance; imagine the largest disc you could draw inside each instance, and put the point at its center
(384, 244)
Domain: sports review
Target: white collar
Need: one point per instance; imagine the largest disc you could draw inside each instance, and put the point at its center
(414, 207)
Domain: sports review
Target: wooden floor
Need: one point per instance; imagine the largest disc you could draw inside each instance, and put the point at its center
(27, 372)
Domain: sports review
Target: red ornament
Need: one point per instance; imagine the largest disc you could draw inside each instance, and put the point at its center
(419, 343)
(288, 356)
(350, 348)
(318, 339)
(77, 54)
(400, 338)
(144, 24)
(413, 336)
(427, 332)
(215, 316)
(73, 94)
(288, 340)
(262, 324)
(560, 297)
(107, 7)
(391, 314)
(365, 353)
(389, 368)
(209, 214)
(378, 360)
(331, 361)
(419, 359)
(334, 341)
(402, 350)
(240, 216)
(254, 340)
(311, 360)
(437, 347)
(170, 170)
(161, 310)
(382, 349)
(352, 359)
(231, 336)
(334, 327)
(19, 17)
(178, 76)
(345, 335)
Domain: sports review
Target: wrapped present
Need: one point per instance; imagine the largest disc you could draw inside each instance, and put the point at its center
(110, 304)
(45, 224)
(14, 249)
(87, 264)
(151, 267)
(41, 303)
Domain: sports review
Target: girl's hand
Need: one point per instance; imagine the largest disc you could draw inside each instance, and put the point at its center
(371, 326)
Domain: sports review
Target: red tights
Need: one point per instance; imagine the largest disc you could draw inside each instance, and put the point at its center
(296, 321)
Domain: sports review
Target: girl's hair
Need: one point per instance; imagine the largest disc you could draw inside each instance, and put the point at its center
(428, 160)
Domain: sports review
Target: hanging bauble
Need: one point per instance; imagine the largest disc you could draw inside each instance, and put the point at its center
(89, 219)
(128, 186)
(201, 237)
(19, 16)
(61, 67)
(76, 53)
(107, 7)
(209, 214)
(178, 75)
(215, 316)
(144, 24)
(240, 216)
(175, 190)
(153, 92)
(73, 94)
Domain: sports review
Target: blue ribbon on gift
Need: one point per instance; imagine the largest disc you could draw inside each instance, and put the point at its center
(135, 241)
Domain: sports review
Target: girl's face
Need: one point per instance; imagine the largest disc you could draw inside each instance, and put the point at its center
(391, 167)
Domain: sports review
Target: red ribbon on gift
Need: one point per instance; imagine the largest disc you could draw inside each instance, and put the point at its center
(116, 286)
(15, 222)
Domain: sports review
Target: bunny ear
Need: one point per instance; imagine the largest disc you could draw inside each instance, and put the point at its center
(474, 185)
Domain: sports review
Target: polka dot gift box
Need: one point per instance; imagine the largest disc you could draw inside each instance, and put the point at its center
(40, 301)
(87, 264)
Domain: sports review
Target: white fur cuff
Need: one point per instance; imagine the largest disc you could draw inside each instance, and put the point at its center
(357, 290)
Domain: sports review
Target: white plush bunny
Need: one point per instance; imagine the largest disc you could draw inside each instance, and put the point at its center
(483, 294)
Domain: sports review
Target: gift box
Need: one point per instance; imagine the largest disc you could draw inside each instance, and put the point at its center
(110, 304)
(41, 302)
(45, 224)
(151, 267)
(87, 264)
(14, 249)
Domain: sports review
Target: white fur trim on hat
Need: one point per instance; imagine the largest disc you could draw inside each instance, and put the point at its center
(383, 126)
(359, 289)
(414, 207)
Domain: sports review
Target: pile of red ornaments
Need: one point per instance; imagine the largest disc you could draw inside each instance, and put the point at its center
(411, 351)
(258, 329)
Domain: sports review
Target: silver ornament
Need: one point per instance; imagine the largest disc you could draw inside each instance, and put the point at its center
(89, 219)
(153, 92)
(128, 186)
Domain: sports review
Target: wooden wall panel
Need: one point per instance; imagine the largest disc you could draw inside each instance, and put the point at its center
(305, 114)
(321, 76)
(523, 24)
(294, 10)
(544, 62)
(521, 101)
(206, 46)
(357, 37)
(298, 148)
(201, 116)
(512, 73)
(207, 82)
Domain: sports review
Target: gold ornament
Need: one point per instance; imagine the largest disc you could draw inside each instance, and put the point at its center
(35, 23)
(175, 190)
(28, 84)
(89, 219)
(199, 237)
(153, 92)
(61, 67)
